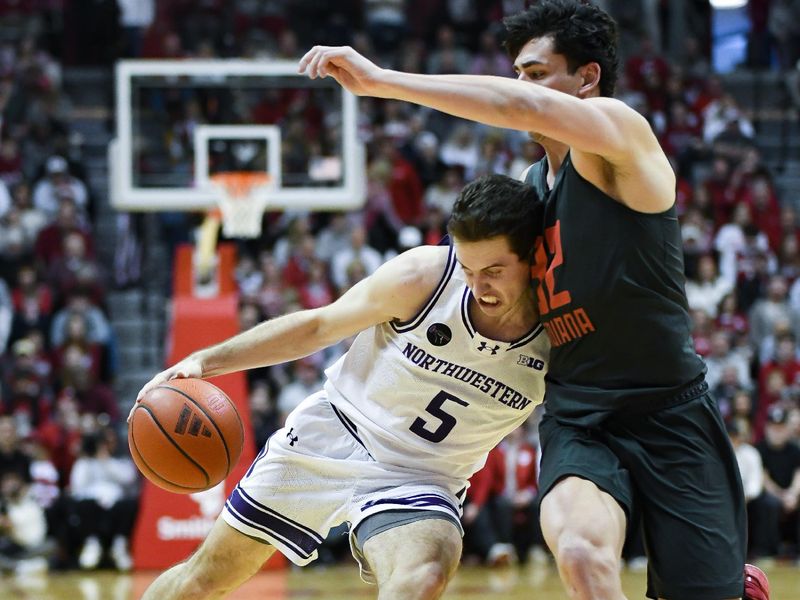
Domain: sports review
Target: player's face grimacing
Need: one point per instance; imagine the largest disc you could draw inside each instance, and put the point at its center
(498, 278)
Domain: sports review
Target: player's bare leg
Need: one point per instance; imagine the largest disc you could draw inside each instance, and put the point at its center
(223, 562)
(585, 529)
(414, 561)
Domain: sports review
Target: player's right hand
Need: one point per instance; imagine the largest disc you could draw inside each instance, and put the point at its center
(188, 367)
(355, 73)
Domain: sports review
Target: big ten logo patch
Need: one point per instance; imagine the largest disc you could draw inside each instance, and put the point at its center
(531, 362)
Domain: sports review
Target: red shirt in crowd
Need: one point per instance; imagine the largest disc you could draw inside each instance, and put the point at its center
(491, 480)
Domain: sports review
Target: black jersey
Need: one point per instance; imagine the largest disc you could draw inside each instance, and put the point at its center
(611, 295)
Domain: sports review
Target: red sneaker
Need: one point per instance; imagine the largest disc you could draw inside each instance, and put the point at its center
(756, 584)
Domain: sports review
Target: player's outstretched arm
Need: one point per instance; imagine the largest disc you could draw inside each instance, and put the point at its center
(601, 126)
(395, 291)
(593, 127)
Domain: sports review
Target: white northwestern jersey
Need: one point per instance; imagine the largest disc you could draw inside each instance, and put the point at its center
(432, 393)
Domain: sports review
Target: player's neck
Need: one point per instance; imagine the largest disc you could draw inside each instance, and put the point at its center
(556, 152)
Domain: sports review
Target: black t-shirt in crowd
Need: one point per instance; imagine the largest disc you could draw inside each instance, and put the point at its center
(780, 463)
(16, 462)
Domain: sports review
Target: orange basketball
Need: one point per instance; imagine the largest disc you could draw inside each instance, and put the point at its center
(185, 435)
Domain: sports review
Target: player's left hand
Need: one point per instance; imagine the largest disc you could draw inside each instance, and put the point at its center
(357, 74)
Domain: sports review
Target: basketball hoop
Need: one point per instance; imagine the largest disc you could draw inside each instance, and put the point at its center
(242, 198)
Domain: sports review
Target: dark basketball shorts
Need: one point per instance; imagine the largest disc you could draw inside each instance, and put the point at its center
(674, 469)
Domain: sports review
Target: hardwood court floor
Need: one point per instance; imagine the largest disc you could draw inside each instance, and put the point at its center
(343, 583)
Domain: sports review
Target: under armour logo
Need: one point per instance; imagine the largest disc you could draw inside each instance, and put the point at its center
(189, 422)
(485, 346)
(292, 438)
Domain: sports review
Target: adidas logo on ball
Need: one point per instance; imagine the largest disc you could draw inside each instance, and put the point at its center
(187, 419)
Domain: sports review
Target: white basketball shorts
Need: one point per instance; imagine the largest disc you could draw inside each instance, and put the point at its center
(314, 474)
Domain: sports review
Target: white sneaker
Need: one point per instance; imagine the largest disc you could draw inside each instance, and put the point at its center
(638, 564)
(538, 555)
(501, 555)
(90, 553)
(120, 555)
(30, 566)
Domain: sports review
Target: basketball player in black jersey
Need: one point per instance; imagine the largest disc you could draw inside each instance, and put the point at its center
(630, 431)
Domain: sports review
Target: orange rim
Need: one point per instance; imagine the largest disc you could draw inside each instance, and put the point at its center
(238, 184)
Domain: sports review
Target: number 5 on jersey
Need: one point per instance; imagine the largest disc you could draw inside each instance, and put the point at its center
(434, 408)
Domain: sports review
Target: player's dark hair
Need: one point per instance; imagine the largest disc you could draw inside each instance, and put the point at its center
(496, 205)
(582, 32)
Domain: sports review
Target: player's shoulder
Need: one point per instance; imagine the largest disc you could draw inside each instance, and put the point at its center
(624, 114)
(405, 282)
(426, 255)
(421, 266)
(611, 104)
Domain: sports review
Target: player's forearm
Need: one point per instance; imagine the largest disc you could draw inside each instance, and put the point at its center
(272, 342)
(495, 101)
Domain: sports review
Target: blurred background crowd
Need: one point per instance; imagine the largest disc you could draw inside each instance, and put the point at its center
(68, 492)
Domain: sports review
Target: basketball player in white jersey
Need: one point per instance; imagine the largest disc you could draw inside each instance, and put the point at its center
(448, 338)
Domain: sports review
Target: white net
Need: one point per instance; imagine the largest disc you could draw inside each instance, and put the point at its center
(242, 198)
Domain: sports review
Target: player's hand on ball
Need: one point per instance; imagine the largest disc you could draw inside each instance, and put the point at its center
(188, 367)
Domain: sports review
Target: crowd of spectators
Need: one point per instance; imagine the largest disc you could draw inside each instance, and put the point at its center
(59, 460)
(59, 417)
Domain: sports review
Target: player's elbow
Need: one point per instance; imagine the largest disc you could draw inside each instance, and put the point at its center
(316, 331)
(323, 328)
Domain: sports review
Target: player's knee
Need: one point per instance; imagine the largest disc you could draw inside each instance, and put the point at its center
(581, 560)
(425, 580)
(430, 577)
